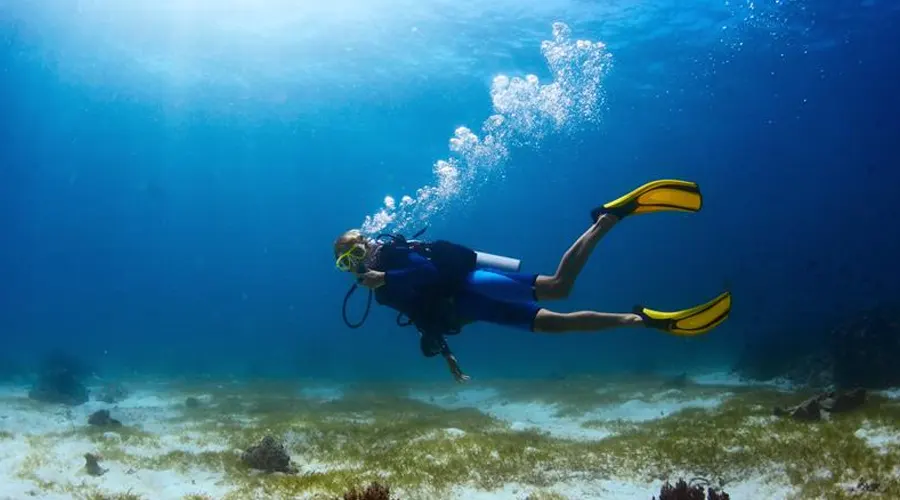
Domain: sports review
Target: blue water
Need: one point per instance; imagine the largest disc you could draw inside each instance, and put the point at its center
(172, 174)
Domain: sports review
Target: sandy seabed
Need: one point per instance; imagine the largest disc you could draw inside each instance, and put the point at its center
(585, 438)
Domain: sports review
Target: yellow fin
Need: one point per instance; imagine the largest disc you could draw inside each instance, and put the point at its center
(694, 321)
(665, 195)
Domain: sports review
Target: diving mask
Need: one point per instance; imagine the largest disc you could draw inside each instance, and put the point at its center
(352, 259)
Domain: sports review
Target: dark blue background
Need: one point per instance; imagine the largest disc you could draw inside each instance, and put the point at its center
(202, 243)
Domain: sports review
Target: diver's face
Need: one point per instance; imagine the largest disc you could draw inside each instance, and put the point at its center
(351, 260)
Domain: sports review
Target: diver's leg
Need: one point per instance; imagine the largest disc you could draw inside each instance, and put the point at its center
(582, 321)
(529, 316)
(560, 284)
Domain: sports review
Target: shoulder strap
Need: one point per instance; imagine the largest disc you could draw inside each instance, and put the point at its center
(399, 239)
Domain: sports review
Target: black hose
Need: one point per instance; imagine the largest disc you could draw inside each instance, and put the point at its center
(365, 314)
(369, 300)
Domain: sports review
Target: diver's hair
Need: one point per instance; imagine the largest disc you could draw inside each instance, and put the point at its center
(346, 240)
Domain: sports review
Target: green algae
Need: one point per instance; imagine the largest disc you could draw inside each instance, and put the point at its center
(421, 450)
(183, 461)
(41, 454)
(112, 496)
(38, 456)
(102, 435)
(6, 435)
(576, 396)
(401, 438)
(741, 439)
(545, 495)
(327, 484)
(24, 403)
(364, 436)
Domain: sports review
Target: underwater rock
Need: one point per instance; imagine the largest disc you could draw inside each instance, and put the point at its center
(112, 393)
(375, 491)
(92, 465)
(808, 411)
(191, 403)
(860, 352)
(820, 407)
(677, 382)
(683, 491)
(863, 486)
(712, 494)
(268, 456)
(797, 358)
(813, 370)
(839, 402)
(59, 381)
(101, 418)
(866, 349)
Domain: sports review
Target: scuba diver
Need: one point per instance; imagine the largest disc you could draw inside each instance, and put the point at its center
(440, 286)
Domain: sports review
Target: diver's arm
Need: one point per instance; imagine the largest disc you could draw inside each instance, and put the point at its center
(420, 272)
(453, 365)
(371, 279)
(432, 344)
(445, 349)
(452, 362)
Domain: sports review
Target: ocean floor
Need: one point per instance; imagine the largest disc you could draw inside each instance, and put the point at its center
(584, 438)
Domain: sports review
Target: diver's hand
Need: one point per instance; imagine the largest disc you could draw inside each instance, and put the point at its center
(456, 370)
(371, 279)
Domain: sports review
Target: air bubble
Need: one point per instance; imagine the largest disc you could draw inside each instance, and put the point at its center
(524, 113)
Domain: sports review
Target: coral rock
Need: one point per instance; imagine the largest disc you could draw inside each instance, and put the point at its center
(374, 491)
(808, 411)
(101, 418)
(864, 486)
(268, 456)
(683, 491)
(59, 381)
(92, 465)
(835, 402)
(821, 407)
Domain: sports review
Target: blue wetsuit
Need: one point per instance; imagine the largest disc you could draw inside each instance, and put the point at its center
(488, 295)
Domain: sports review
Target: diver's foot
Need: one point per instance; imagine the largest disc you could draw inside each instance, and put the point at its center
(600, 213)
(632, 319)
(606, 220)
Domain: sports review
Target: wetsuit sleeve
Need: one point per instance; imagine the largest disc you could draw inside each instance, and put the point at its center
(420, 272)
